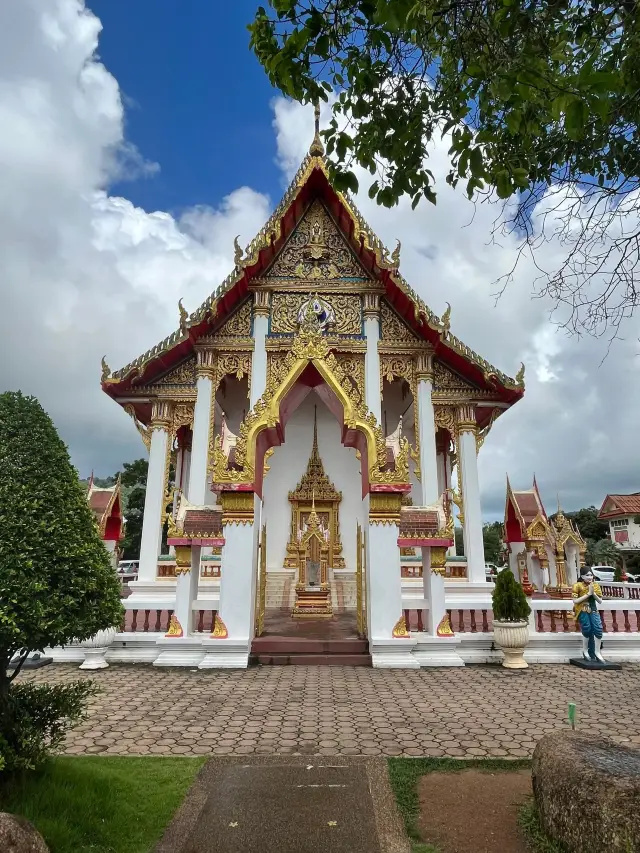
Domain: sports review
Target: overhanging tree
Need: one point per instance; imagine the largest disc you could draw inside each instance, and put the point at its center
(535, 95)
(56, 580)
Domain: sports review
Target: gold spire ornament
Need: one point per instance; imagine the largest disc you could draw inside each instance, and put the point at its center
(445, 322)
(520, 375)
(106, 370)
(238, 255)
(184, 317)
(317, 148)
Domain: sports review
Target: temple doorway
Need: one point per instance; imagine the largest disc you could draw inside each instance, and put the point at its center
(312, 506)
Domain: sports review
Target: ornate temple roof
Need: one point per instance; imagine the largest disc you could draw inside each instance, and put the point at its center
(615, 505)
(312, 182)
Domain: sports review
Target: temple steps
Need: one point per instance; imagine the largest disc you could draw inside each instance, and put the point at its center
(299, 651)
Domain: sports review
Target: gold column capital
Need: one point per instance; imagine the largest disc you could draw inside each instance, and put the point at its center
(261, 303)
(206, 362)
(183, 559)
(237, 507)
(424, 365)
(371, 308)
(162, 415)
(466, 418)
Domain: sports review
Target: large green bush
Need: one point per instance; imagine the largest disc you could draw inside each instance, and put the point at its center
(509, 601)
(56, 579)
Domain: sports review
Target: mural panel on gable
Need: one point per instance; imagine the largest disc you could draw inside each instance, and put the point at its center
(317, 252)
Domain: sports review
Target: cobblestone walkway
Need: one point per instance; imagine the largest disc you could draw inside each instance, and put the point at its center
(470, 712)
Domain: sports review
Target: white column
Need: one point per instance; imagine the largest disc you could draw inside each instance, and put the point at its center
(433, 586)
(372, 356)
(468, 474)
(384, 594)
(198, 474)
(427, 429)
(440, 465)
(154, 496)
(187, 591)
(236, 611)
(259, 357)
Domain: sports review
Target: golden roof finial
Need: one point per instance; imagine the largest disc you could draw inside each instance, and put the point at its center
(184, 317)
(317, 148)
(520, 375)
(106, 370)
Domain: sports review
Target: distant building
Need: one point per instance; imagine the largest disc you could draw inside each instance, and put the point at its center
(106, 505)
(623, 514)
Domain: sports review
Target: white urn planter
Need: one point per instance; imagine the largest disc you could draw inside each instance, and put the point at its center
(95, 648)
(512, 637)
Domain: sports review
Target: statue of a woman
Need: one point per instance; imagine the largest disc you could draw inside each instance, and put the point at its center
(586, 597)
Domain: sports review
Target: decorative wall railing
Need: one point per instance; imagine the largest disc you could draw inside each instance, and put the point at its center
(150, 620)
(547, 617)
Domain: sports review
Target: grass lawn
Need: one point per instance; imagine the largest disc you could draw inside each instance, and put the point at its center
(404, 774)
(97, 804)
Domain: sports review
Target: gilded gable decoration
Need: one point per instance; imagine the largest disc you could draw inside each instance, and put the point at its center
(317, 251)
(446, 380)
(393, 330)
(239, 324)
(183, 374)
(344, 311)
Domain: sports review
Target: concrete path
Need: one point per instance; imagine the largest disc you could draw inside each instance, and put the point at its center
(463, 713)
(288, 805)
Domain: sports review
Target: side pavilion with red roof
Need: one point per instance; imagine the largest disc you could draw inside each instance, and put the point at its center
(544, 555)
(314, 318)
(106, 505)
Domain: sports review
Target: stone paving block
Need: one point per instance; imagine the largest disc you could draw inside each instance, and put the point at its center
(143, 710)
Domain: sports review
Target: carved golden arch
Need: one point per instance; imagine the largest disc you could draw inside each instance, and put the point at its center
(309, 364)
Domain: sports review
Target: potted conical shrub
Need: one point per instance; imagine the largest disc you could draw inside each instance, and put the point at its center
(510, 620)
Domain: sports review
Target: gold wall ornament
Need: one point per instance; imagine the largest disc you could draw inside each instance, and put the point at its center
(219, 629)
(145, 432)
(352, 364)
(458, 500)
(285, 310)
(268, 456)
(400, 629)
(237, 507)
(309, 347)
(183, 558)
(438, 560)
(444, 627)
(183, 415)
(394, 329)
(317, 251)
(183, 318)
(384, 507)
(238, 325)
(181, 377)
(175, 628)
(484, 432)
(236, 364)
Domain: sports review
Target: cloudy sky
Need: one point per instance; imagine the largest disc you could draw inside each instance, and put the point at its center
(136, 144)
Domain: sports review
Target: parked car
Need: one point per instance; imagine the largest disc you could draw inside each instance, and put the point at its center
(128, 567)
(604, 574)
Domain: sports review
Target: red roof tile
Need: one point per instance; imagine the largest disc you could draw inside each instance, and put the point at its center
(528, 505)
(615, 505)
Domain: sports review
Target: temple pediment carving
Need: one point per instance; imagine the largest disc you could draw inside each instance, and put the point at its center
(316, 252)
(447, 381)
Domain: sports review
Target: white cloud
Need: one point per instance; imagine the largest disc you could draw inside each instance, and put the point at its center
(84, 274)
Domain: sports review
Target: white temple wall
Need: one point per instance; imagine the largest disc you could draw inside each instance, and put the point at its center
(287, 465)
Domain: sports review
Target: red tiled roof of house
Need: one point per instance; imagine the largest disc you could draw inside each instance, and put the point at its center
(528, 505)
(614, 505)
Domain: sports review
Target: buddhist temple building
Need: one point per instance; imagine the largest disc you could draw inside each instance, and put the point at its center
(106, 505)
(322, 419)
(544, 555)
